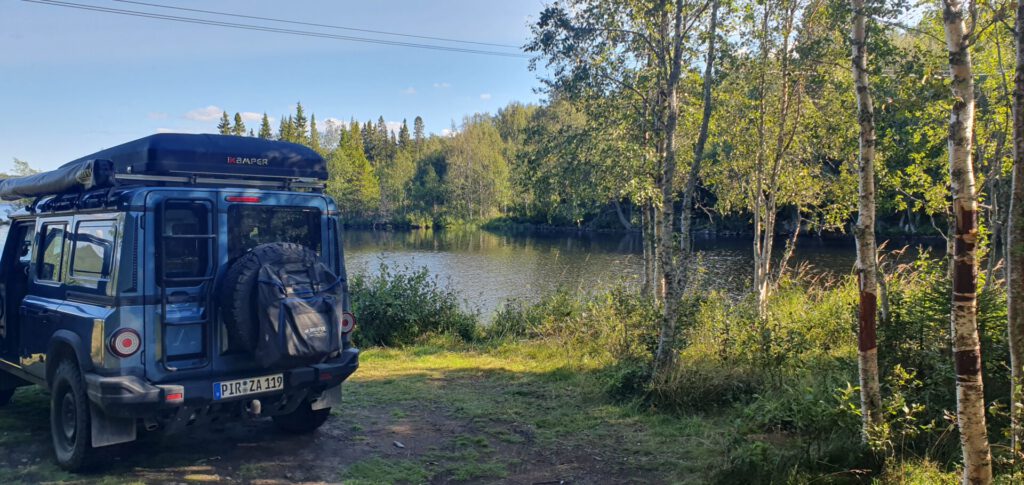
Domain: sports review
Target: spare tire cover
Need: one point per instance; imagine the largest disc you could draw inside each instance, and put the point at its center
(240, 307)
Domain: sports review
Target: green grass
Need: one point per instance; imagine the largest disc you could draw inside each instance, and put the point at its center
(384, 472)
(532, 394)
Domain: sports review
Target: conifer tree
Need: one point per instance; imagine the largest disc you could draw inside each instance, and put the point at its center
(239, 128)
(418, 132)
(224, 127)
(299, 125)
(314, 136)
(367, 134)
(403, 136)
(352, 182)
(251, 134)
(265, 131)
(357, 135)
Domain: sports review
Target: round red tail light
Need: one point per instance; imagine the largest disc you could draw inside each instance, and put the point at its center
(125, 342)
(348, 322)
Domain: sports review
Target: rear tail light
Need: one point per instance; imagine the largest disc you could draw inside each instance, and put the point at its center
(125, 342)
(242, 199)
(348, 322)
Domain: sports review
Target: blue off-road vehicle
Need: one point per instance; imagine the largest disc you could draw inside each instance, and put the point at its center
(172, 281)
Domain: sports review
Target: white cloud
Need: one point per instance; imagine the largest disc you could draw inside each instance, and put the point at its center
(209, 113)
(334, 121)
(485, 96)
(447, 132)
(157, 115)
(251, 116)
(442, 85)
(409, 90)
(393, 126)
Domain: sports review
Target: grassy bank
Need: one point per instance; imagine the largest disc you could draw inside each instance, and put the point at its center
(533, 395)
(776, 391)
(560, 389)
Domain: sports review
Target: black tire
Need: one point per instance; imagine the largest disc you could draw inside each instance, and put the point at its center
(5, 396)
(70, 428)
(239, 289)
(302, 420)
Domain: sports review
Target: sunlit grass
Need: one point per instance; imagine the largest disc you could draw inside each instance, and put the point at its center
(542, 392)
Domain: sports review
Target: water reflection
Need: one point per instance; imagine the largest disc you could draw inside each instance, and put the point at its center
(488, 268)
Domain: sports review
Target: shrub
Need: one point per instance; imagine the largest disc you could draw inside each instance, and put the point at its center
(397, 307)
(916, 340)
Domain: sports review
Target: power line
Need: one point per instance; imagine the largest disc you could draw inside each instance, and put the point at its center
(261, 28)
(311, 24)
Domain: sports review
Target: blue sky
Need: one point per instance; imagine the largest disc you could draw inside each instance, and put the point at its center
(74, 81)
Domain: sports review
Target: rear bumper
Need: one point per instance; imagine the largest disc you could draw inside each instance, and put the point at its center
(131, 396)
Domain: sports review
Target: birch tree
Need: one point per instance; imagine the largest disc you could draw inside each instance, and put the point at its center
(867, 262)
(964, 266)
(1015, 243)
(641, 48)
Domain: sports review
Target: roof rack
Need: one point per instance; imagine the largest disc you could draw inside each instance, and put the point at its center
(214, 179)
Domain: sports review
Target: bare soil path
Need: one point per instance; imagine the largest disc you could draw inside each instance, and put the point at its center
(420, 415)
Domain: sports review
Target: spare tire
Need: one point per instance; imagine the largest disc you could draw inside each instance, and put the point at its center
(239, 289)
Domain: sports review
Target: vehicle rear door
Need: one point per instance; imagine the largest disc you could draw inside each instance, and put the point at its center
(181, 232)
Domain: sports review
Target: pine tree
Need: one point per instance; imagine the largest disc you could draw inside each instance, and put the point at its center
(403, 136)
(224, 127)
(314, 136)
(367, 134)
(265, 131)
(418, 132)
(352, 182)
(239, 128)
(251, 134)
(287, 130)
(357, 136)
(299, 132)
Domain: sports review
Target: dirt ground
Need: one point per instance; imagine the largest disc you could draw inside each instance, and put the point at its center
(438, 428)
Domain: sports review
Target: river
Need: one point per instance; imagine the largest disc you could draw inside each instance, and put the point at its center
(488, 268)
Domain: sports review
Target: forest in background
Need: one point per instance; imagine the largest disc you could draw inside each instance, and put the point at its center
(579, 158)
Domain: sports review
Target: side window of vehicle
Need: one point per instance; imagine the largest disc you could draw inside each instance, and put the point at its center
(51, 257)
(93, 255)
(186, 252)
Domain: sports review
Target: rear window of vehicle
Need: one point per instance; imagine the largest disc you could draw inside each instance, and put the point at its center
(252, 225)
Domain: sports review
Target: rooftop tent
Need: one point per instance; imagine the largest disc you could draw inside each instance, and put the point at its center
(219, 155)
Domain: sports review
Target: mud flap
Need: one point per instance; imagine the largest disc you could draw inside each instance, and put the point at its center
(110, 430)
(330, 398)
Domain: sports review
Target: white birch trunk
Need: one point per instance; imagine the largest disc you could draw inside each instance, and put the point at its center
(867, 262)
(964, 266)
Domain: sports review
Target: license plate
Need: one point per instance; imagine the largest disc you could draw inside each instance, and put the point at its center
(244, 387)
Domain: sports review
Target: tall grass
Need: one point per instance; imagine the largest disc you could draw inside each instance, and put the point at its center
(788, 378)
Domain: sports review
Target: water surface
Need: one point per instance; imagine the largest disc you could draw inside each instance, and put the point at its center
(488, 268)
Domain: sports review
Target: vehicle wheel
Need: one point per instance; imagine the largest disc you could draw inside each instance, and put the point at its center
(69, 418)
(240, 289)
(5, 396)
(303, 419)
